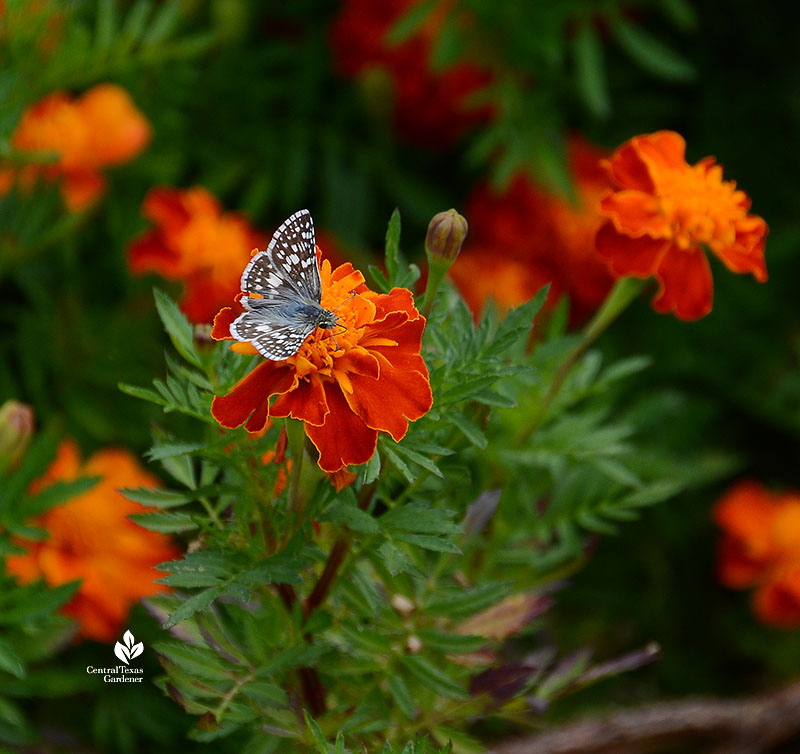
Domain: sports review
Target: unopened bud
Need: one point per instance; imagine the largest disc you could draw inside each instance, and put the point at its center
(446, 234)
(16, 429)
(402, 605)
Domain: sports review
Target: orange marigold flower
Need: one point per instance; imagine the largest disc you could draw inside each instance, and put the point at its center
(761, 547)
(374, 380)
(91, 539)
(661, 214)
(196, 242)
(429, 107)
(526, 237)
(99, 129)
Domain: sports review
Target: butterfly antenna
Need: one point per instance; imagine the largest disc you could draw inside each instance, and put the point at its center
(352, 295)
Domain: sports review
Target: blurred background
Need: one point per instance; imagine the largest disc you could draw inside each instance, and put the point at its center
(157, 143)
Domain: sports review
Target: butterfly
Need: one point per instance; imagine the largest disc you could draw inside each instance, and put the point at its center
(286, 277)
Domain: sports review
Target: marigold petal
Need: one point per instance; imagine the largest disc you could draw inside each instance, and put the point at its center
(344, 439)
(662, 150)
(150, 252)
(686, 285)
(629, 256)
(625, 168)
(746, 254)
(250, 396)
(635, 214)
(221, 329)
(81, 188)
(777, 603)
(738, 567)
(390, 402)
(306, 402)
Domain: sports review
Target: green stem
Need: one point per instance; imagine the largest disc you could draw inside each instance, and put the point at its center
(617, 301)
(295, 433)
(436, 272)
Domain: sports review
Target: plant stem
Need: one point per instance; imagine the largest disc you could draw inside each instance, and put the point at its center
(616, 302)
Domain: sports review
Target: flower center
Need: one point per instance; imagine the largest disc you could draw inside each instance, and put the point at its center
(700, 206)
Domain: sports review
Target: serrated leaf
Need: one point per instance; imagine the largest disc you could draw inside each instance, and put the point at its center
(178, 328)
(166, 523)
(652, 54)
(429, 542)
(265, 693)
(142, 393)
(156, 497)
(419, 459)
(399, 463)
(10, 660)
(371, 470)
(463, 602)
(170, 450)
(419, 519)
(468, 429)
(37, 600)
(399, 691)
(197, 661)
(56, 494)
(587, 50)
(432, 677)
(194, 604)
(392, 246)
(316, 732)
(379, 278)
(450, 643)
(349, 514)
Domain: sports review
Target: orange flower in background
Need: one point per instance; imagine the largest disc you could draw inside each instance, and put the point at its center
(526, 237)
(430, 108)
(196, 242)
(761, 548)
(664, 212)
(98, 129)
(91, 539)
(375, 380)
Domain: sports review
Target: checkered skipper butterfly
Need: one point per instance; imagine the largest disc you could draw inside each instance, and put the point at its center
(286, 276)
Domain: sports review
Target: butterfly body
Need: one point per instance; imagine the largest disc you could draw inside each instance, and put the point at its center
(285, 279)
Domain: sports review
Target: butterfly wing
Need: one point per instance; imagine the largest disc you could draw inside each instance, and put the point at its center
(293, 254)
(273, 339)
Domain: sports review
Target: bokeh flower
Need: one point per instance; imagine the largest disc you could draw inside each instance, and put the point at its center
(371, 378)
(760, 547)
(429, 107)
(662, 216)
(91, 539)
(74, 139)
(525, 237)
(196, 242)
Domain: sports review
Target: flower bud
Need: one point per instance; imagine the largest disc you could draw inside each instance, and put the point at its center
(446, 234)
(16, 429)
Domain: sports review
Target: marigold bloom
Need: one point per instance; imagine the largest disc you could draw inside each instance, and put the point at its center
(375, 380)
(662, 213)
(196, 242)
(91, 539)
(429, 107)
(526, 237)
(761, 547)
(99, 129)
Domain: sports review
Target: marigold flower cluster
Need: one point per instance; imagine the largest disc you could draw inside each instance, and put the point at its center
(664, 213)
(430, 108)
(760, 548)
(73, 139)
(196, 242)
(527, 237)
(91, 539)
(370, 378)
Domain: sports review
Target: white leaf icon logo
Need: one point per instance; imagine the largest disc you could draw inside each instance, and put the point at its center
(129, 649)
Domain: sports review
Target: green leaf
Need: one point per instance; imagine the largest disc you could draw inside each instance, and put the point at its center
(457, 602)
(265, 693)
(37, 600)
(468, 429)
(390, 452)
(432, 677)
(371, 470)
(10, 660)
(401, 696)
(197, 661)
(450, 643)
(419, 459)
(316, 732)
(518, 322)
(106, 23)
(164, 22)
(393, 246)
(56, 494)
(429, 542)
(394, 559)
(142, 393)
(194, 604)
(166, 523)
(157, 497)
(587, 49)
(380, 279)
(178, 328)
(651, 54)
(347, 513)
(170, 450)
(418, 518)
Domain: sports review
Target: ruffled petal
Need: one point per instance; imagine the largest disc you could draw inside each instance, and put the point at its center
(306, 402)
(625, 168)
(221, 329)
(344, 439)
(391, 401)
(686, 285)
(629, 256)
(250, 396)
(663, 150)
(635, 214)
(747, 252)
